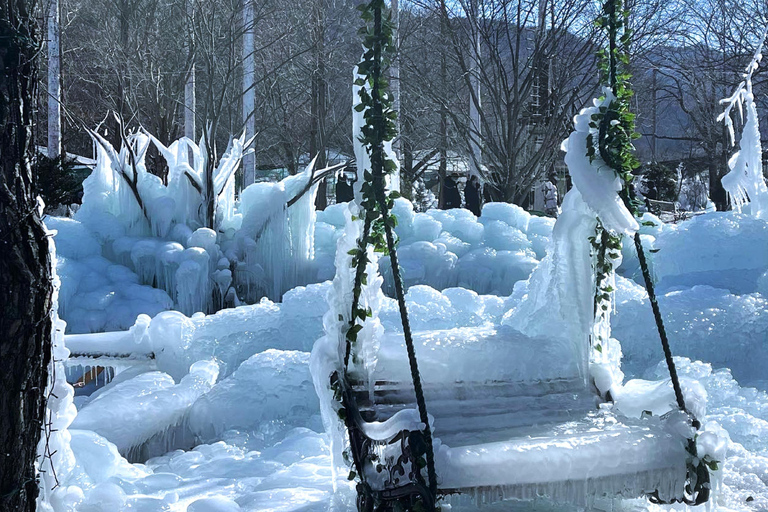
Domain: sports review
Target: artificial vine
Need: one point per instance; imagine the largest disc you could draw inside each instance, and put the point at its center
(376, 106)
(378, 229)
(613, 130)
(614, 125)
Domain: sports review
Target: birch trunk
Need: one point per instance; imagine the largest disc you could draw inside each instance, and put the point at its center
(54, 80)
(189, 87)
(249, 91)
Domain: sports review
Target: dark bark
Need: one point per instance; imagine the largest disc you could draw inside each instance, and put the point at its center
(25, 266)
(319, 104)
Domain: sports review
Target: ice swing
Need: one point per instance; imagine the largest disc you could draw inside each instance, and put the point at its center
(514, 408)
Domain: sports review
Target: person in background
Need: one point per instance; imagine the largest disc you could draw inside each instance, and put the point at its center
(549, 189)
(473, 195)
(451, 195)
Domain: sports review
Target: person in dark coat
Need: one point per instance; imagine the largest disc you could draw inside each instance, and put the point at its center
(451, 195)
(345, 190)
(473, 195)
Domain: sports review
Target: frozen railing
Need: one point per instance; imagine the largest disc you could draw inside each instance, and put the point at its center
(96, 359)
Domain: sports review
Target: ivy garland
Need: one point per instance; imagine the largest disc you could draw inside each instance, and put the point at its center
(379, 127)
(614, 125)
(378, 228)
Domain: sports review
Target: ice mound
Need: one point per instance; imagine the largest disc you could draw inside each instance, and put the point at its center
(133, 412)
(97, 294)
(702, 323)
(449, 248)
(432, 309)
(740, 416)
(291, 475)
(722, 249)
(272, 386)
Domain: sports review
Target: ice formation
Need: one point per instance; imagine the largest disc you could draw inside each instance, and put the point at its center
(328, 353)
(256, 459)
(362, 158)
(271, 386)
(745, 182)
(141, 246)
(133, 412)
(56, 460)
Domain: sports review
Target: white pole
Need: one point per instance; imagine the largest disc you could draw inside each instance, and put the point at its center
(395, 73)
(189, 87)
(474, 100)
(249, 91)
(54, 81)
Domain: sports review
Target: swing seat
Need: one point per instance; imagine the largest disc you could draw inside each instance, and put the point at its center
(526, 428)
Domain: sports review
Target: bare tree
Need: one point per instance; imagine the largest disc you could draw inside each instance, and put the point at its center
(249, 87)
(535, 67)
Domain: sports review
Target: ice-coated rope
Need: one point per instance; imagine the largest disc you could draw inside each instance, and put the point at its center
(660, 327)
(377, 168)
(378, 184)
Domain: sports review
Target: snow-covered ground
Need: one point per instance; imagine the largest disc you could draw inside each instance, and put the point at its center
(233, 391)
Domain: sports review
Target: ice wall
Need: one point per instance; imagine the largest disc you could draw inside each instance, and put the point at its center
(56, 460)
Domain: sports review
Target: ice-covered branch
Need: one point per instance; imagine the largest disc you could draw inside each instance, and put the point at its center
(745, 182)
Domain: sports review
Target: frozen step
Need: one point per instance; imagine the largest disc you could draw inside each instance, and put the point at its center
(466, 413)
(596, 456)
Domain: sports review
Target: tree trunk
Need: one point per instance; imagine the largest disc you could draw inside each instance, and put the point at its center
(443, 143)
(54, 81)
(319, 104)
(394, 76)
(189, 87)
(475, 134)
(25, 266)
(249, 89)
